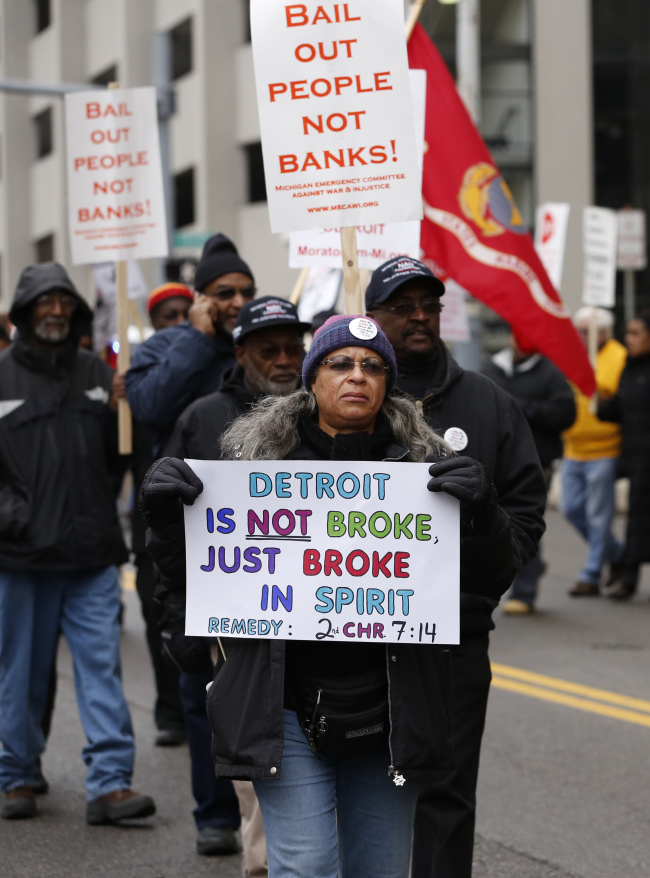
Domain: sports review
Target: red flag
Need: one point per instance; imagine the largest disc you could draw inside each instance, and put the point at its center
(474, 231)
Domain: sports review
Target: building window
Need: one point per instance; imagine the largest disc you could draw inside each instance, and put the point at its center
(43, 125)
(184, 198)
(106, 76)
(181, 49)
(255, 173)
(44, 249)
(43, 15)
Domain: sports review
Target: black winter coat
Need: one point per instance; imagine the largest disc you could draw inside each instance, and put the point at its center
(58, 447)
(499, 438)
(201, 425)
(545, 398)
(245, 702)
(631, 409)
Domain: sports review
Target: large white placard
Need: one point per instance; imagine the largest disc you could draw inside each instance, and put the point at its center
(600, 232)
(376, 243)
(314, 550)
(550, 238)
(632, 255)
(116, 203)
(335, 113)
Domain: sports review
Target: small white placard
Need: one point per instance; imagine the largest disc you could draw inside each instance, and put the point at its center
(600, 232)
(632, 255)
(354, 552)
(116, 203)
(550, 238)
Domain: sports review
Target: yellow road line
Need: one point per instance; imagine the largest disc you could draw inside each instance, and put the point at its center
(629, 716)
(573, 688)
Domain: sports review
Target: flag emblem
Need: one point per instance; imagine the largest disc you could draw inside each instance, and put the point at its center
(486, 200)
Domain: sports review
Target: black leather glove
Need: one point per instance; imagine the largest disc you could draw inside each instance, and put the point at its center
(168, 484)
(466, 480)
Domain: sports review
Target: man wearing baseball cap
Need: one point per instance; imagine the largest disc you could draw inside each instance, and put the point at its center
(182, 363)
(481, 421)
(269, 351)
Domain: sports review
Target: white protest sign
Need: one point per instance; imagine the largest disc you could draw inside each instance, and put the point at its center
(631, 254)
(342, 551)
(336, 114)
(116, 204)
(454, 322)
(320, 292)
(104, 274)
(600, 232)
(376, 243)
(550, 238)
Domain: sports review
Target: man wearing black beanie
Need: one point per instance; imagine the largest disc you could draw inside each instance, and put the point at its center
(183, 363)
(175, 367)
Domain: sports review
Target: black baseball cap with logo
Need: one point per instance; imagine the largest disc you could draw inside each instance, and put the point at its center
(267, 312)
(390, 276)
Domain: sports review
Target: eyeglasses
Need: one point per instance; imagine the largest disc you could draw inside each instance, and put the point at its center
(372, 366)
(272, 352)
(227, 293)
(51, 300)
(406, 309)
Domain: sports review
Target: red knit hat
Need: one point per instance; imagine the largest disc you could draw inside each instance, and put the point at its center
(168, 291)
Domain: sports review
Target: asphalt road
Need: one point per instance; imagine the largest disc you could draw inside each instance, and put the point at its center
(563, 791)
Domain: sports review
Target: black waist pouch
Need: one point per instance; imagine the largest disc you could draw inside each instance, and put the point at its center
(344, 718)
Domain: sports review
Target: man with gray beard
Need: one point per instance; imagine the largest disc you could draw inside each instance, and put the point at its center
(269, 351)
(60, 544)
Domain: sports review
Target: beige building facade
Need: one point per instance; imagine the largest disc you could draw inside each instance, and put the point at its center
(536, 116)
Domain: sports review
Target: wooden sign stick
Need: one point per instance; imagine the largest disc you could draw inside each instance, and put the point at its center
(351, 277)
(125, 425)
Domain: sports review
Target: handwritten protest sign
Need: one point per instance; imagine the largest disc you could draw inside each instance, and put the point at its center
(115, 186)
(335, 113)
(349, 552)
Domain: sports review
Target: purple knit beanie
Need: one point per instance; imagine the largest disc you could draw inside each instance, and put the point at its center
(345, 331)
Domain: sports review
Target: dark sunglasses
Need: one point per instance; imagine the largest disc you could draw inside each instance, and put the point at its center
(272, 352)
(341, 363)
(405, 309)
(228, 293)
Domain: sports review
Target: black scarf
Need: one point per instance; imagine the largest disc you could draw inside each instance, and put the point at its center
(347, 446)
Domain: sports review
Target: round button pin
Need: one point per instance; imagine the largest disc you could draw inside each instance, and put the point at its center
(362, 328)
(457, 438)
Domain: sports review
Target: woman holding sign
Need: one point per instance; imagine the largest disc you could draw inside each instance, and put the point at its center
(336, 736)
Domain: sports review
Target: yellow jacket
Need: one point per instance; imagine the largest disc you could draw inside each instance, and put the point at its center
(589, 438)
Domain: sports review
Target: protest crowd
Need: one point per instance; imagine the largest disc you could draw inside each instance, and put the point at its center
(322, 757)
(227, 375)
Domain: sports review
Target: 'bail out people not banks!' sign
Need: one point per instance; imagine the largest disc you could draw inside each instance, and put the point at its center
(336, 116)
(116, 202)
(316, 551)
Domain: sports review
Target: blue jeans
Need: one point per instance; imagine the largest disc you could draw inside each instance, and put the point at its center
(85, 606)
(524, 587)
(588, 503)
(326, 818)
(216, 802)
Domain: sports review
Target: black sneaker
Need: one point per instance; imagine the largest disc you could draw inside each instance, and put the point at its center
(216, 841)
(119, 805)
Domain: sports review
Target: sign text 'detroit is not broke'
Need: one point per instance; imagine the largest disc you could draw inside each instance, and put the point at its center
(315, 551)
(335, 113)
(116, 199)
